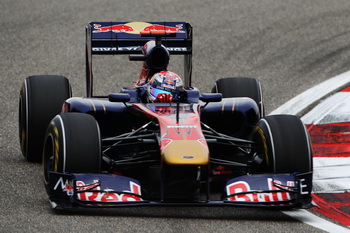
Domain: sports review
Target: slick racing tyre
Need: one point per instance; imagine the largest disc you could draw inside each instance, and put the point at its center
(72, 144)
(240, 87)
(41, 99)
(283, 142)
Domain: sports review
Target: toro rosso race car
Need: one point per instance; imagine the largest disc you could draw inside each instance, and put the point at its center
(198, 149)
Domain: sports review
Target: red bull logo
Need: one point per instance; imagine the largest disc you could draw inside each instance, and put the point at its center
(244, 188)
(137, 27)
(88, 193)
(113, 28)
(168, 83)
(69, 190)
(156, 27)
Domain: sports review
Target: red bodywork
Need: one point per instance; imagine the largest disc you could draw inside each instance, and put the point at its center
(181, 137)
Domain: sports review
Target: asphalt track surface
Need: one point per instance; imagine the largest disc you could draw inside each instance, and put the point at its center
(289, 46)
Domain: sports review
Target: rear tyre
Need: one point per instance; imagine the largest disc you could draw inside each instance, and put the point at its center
(284, 144)
(41, 98)
(240, 87)
(72, 144)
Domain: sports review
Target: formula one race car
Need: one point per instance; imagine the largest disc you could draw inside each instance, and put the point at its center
(199, 149)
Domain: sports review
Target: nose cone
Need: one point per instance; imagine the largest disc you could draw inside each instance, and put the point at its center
(186, 152)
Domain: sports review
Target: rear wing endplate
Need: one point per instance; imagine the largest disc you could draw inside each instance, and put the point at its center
(113, 38)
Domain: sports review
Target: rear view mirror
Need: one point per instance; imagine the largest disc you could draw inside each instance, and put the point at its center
(211, 97)
(119, 97)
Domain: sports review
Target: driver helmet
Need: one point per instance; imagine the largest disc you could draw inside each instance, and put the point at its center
(164, 82)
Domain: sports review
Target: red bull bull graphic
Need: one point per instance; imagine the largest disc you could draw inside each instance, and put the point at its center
(114, 28)
(169, 83)
(137, 27)
(156, 27)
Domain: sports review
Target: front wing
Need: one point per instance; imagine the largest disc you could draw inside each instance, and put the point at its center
(68, 190)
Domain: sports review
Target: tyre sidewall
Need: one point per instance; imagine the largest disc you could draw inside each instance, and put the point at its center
(54, 153)
(73, 142)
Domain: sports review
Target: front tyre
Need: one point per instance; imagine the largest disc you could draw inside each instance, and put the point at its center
(284, 145)
(72, 144)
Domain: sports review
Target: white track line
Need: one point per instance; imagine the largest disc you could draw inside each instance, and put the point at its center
(315, 221)
(300, 103)
(333, 109)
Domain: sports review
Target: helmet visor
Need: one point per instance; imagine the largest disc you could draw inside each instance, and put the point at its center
(155, 92)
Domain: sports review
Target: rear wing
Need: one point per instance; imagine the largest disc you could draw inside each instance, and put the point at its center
(113, 38)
